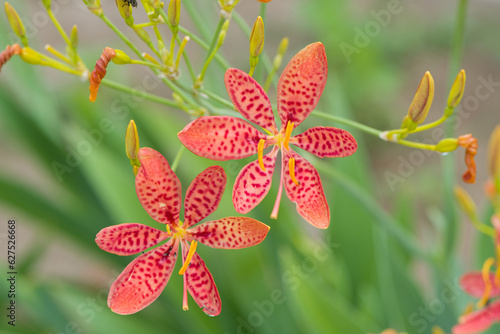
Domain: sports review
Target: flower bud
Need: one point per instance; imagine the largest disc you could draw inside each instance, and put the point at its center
(143, 35)
(422, 101)
(46, 3)
(124, 8)
(257, 38)
(94, 6)
(264, 1)
(407, 123)
(30, 56)
(494, 153)
(222, 35)
(174, 12)
(465, 202)
(132, 141)
(447, 145)
(457, 90)
(74, 37)
(121, 58)
(16, 23)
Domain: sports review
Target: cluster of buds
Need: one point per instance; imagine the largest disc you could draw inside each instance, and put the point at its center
(417, 113)
(484, 284)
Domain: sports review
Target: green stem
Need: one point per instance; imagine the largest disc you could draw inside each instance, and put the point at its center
(146, 63)
(381, 217)
(359, 126)
(430, 125)
(212, 50)
(416, 145)
(59, 27)
(197, 19)
(178, 157)
(140, 93)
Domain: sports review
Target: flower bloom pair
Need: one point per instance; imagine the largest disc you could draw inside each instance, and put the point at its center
(159, 191)
(225, 138)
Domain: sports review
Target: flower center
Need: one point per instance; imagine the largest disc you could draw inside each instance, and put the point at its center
(282, 141)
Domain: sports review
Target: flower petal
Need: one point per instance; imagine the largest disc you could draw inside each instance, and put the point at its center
(326, 142)
(308, 195)
(143, 280)
(129, 239)
(158, 188)
(473, 284)
(221, 138)
(204, 194)
(252, 183)
(301, 84)
(250, 99)
(230, 232)
(201, 285)
(478, 321)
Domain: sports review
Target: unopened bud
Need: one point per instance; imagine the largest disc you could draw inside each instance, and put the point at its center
(422, 101)
(121, 58)
(124, 8)
(465, 201)
(494, 154)
(74, 37)
(30, 56)
(281, 52)
(447, 145)
(15, 22)
(408, 123)
(46, 3)
(257, 38)
(222, 35)
(132, 141)
(143, 35)
(94, 6)
(174, 12)
(457, 90)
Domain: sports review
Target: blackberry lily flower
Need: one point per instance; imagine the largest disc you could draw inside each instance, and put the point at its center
(224, 137)
(159, 191)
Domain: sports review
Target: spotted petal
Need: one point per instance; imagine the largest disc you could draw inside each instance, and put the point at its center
(250, 99)
(301, 84)
(158, 188)
(473, 284)
(230, 232)
(204, 194)
(326, 142)
(478, 321)
(221, 138)
(308, 195)
(253, 184)
(129, 239)
(143, 280)
(201, 285)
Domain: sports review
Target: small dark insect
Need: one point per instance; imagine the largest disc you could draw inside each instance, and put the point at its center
(133, 3)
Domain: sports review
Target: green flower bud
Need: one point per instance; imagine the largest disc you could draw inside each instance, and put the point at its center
(422, 101)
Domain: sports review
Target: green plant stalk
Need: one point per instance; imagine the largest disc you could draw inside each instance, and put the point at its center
(212, 50)
(178, 157)
(59, 27)
(132, 91)
(356, 125)
(197, 19)
(449, 171)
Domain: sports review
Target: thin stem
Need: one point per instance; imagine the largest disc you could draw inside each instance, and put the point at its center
(140, 93)
(430, 125)
(212, 50)
(416, 145)
(178, 157)
(146, 63)
(217, 98)
(59, 27)
(359, 126)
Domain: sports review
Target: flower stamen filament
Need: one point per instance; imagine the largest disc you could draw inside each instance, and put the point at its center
(260, 153)
(487, 282)
(192, 250)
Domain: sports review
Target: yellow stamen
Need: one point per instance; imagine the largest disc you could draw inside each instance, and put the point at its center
(288, 133)
(497, 275)
(291, 167)
(260, 152)
(192, 249)
(168, 229)
(487, 282)
(468, 309)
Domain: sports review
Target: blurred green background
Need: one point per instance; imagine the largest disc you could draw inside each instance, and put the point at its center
(396, 245)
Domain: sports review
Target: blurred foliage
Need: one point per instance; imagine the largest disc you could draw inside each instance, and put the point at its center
(356, 277)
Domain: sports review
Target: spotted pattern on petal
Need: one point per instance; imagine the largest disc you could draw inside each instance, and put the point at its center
(326, 142)
(143, 280)
(158, 188)
(301, 84)
(308, 195)
(221, 138)
(204, 194)
(250, 99)
(252, 183)
(201, 285)
(230, 232)
(128, 239)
